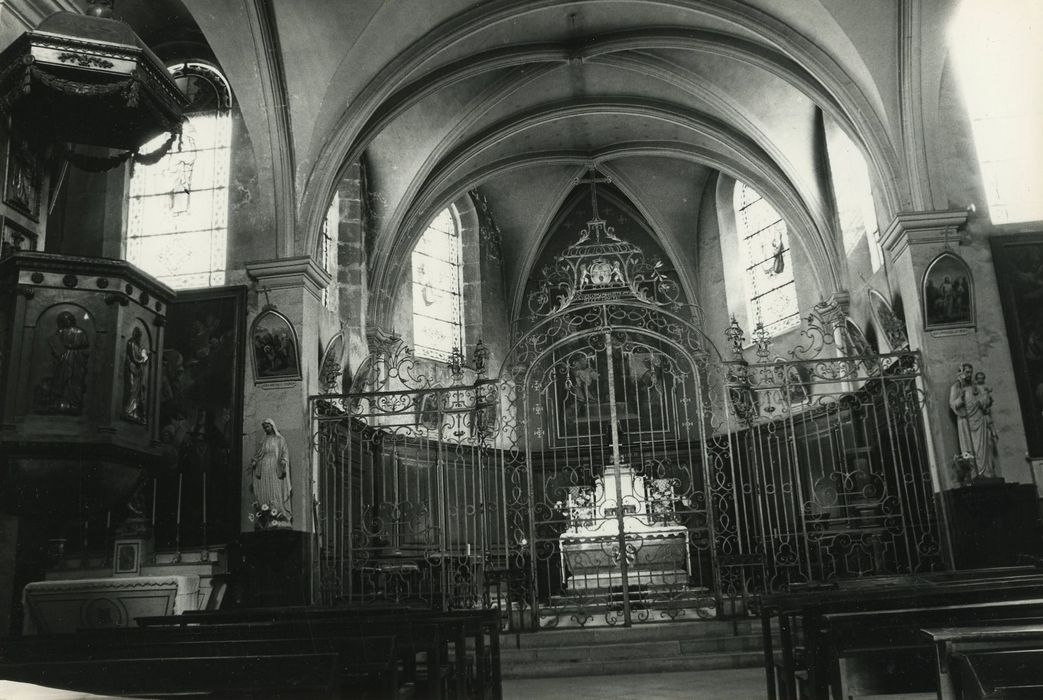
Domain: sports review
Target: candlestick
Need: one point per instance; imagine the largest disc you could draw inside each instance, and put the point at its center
(180, 479)
(154, 480)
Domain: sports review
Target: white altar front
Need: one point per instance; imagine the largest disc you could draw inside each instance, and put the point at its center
(99, 603)
(655, 544)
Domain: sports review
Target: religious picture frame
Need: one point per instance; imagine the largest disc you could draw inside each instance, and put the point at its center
(201, 417)
(126, 558)
(1018, 260)
(15, 237)
(274, 348)
(23, 177)
(947, 293)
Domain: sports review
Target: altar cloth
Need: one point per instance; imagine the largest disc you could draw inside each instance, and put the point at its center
(102, 603)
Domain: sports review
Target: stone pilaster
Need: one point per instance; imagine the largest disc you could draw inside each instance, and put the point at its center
(294, 287)
(913, 241)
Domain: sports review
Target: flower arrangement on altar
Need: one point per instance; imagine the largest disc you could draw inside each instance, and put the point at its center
(964, 467)
(267, 517)
(578, 508)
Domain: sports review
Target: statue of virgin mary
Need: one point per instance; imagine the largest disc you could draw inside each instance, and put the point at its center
(270, 468)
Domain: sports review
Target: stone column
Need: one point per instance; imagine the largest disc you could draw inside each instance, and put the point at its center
(293, 286)
(913, 241)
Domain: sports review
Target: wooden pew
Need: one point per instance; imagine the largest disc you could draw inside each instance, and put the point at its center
(948, 641)
(419, 632)
(269, 676)
(891, 638)
(797, 610)
(1012, 673)
(366, 662)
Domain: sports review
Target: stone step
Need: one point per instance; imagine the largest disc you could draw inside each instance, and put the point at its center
(658, 631)
(635, 649)
(602, 667)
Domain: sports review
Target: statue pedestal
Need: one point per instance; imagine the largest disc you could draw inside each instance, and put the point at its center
(273, 568)
(992, 522)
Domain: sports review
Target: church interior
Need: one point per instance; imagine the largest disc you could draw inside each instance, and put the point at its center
(406, 349)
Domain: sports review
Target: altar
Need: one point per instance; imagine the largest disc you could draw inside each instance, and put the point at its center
(629, 509)
(102, 603)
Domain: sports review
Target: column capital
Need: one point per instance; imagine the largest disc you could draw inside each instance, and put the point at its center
(290, 273)
(922, 228)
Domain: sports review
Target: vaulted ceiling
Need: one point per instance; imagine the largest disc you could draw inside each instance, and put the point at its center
(519, 97)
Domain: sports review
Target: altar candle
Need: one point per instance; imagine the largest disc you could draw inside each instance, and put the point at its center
(179, 481)
(154, 502)
(468, 549)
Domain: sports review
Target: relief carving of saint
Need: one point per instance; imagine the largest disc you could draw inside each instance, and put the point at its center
(135, 385)
(69, 347)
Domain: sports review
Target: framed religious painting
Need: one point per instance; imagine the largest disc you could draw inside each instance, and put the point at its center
(201, 408)
(23, 176)
(947, 293)
(1018, 259)
(15, 237)
(274, 348)
(127, 558)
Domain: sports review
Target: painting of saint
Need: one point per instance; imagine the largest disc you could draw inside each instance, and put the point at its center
(274, 344)
(200, 397)
(948, 293)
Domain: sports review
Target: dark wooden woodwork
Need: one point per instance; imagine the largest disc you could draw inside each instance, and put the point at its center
(992, 524)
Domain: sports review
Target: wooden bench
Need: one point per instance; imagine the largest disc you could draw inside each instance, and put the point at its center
(1013, 673)
(884, 651)
(366, 662)
(799, 610)
(269, 676)
(948, 641)
(423, 638)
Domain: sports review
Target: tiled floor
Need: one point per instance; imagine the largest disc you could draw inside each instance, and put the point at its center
(731, 684)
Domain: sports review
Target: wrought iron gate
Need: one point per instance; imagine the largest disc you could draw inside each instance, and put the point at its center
(619, 470)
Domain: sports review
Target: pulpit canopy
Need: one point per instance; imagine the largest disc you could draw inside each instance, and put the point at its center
(89, 80)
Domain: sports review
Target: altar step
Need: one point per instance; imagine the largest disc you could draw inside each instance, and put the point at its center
(647, 648)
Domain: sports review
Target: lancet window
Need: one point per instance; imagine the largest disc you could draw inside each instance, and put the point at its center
(437, 299)
(764, 247)
(178, 211)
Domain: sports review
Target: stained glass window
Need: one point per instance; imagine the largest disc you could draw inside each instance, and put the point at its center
(764, 246)
(997, 53)
(437, 308)
(327, 243)
(177, 227)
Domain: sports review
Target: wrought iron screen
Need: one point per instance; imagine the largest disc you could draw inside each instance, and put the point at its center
(619, 469)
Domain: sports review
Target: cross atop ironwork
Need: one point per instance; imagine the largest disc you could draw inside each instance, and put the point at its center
(596, 227)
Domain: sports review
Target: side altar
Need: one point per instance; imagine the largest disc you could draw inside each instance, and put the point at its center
(624, 508)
